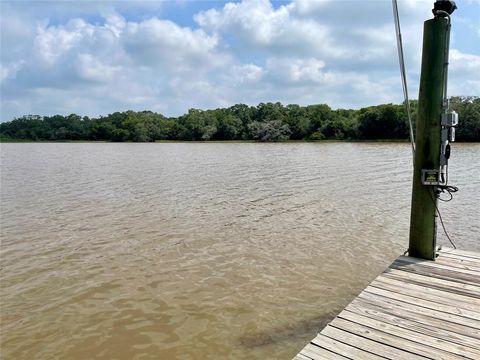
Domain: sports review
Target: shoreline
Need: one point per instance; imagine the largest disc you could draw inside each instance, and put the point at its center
(5, 141)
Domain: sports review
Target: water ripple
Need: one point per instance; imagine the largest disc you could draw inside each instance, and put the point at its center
(184, 250)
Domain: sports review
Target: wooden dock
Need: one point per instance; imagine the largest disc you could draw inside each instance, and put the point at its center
(416, 309)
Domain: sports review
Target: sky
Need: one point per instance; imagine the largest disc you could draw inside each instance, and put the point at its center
(96, 57)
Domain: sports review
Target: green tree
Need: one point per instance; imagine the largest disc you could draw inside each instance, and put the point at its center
(229, 127)
(265, 122)
(269, 111)
(468, 108)
(297, 120)
(273, 130)
(382, 122)
(318, 115)
(198, 125)
(119, 135)
(135, 125)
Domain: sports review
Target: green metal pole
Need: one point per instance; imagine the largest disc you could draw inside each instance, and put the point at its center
(427, 155)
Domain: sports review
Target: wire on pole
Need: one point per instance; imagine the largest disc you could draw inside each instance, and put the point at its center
(403, 75)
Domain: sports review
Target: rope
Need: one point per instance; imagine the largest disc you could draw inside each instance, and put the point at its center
(403, 75)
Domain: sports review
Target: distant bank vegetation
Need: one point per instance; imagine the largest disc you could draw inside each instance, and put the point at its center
(264, 122)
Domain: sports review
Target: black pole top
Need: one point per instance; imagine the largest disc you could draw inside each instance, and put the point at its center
(443, 7)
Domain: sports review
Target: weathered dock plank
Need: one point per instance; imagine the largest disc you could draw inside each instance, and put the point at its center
(446, 286)
(462, 264)
(416, 309)
(453, 309)
(446, 273)
(464, 253)
(445, 347)
(429, 297)
(343, 349)
(460, 258)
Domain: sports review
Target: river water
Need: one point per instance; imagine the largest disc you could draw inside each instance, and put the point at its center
(201, 250)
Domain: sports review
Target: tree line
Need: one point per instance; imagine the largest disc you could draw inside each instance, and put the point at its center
(264, 122)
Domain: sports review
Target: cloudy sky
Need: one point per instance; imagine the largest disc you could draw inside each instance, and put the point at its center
(96, 57)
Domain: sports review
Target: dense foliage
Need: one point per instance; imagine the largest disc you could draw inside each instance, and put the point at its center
(265, 122)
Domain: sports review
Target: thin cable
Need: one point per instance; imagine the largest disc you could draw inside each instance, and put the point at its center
(403, 75)
(440, 217)
(449, 189)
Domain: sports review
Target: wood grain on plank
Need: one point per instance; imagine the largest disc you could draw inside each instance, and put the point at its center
(301, 357)
(368, 345)
(316, 352)
(422, 303)
(416, 309)
(434, 283)
(421, 325)
(474, 324)
(343, 349)
(427, 293)
(473, 261)
(465, 253)
(436, 272)
(434, 264)
(412, 313)
(410, 334)
(461, 264)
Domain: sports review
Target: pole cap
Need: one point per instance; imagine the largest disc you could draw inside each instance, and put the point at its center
(444, 7)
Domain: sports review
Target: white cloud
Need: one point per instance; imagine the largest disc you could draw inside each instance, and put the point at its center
(113, 56)
(257, 24)
(92, 68)
(10, 70)
(298, 70)
(247, 73)
(52, 42)
(255, 21)
(115, 65)
(466, 63)
(464, 73)
(161, 43)
(115, 23)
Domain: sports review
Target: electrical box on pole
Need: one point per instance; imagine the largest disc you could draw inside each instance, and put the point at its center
(435, 128)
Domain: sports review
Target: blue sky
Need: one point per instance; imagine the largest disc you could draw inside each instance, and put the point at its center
(96, 57)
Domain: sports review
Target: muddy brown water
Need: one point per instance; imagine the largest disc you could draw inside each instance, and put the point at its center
(201, 250)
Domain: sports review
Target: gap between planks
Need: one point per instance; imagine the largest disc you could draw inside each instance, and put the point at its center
(415, 309)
